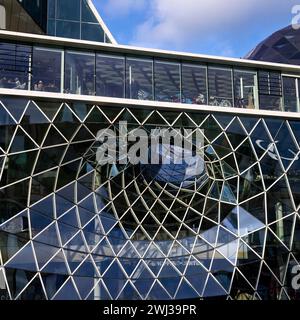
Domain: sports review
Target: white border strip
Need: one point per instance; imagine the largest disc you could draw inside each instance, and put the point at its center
(120, 102)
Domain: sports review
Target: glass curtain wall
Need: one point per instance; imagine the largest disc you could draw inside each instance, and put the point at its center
(15, 61)
(46, 70)
(194, 84)
(55, 69)
(139, 82)
(290, 94)
(80, 72)
(270, 90)
(110, 76)
(220, 87)
(167, 81)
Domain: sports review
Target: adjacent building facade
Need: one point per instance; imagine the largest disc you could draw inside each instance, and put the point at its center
(224, 224)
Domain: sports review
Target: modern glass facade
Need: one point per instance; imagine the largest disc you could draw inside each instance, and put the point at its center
(69, 70)
(223, 224)
(72, 229)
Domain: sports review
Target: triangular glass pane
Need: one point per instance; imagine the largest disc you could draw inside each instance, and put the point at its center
(57, 265)
(43, 253)
(84, 285)
(99, 293)
(185, 291)
(54, 137)
(17, 280)
(158, 293)
(16, 107)
(213, 289)
(86, 269)
(52, 282)
(49, 108)
(49, 236)
(23, 260)
(67, 292)
(33, 115)
(36, 294)
(21, 142)
(45, 207)
(170, 284)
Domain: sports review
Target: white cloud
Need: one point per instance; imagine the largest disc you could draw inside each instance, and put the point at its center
(177, 23)
(117, 8)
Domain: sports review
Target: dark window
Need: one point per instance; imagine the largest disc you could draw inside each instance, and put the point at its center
(194, 84)
(46, 70)
(80, 73)
(270, 90)
(14, 65)
(51, 9)
(290, 98)
(68, 29)
(110, 71)
(86, 13)
(220, 87)
(92, 32)
(68, 10)
(167, 81)
(139, 82)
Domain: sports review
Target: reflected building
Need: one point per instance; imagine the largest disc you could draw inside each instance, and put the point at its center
(224, 224)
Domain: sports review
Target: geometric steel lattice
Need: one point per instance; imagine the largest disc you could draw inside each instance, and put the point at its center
(70, 229)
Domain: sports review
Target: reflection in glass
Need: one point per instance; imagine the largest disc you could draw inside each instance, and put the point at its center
(220, 87)
(46, 70)
(14, 65)
(194, 84)
(68, 10)
(68, 29)
(139, 82)
(290, 98)
(245, 89)
(270, 90)
(110, 73)
(80, 73)
(167, 81)
(92, 32)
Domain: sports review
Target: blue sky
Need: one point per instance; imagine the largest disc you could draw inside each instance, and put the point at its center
(218, 27)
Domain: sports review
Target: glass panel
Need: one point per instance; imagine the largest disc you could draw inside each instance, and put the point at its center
(68, 10)
(110, 75)
(270, 90)
(194, 84)
(80, 73)
(46, 70)
(245, 89)
(290, 99)
(139, 82)
(68, 29)
(14, 65)
(87, 14)
(51, 9)
(167, 81)
(92, 32)
(220, 87)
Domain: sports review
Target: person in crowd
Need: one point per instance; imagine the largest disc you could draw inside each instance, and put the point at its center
(18, 84)
(39, 86)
